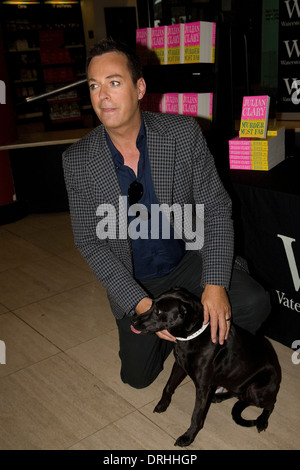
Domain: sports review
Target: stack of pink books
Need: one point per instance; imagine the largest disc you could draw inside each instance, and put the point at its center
(257, 147)
(257, 154)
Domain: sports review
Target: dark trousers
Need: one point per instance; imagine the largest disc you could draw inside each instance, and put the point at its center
(142, 356)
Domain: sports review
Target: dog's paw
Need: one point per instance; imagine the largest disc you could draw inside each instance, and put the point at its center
(184, 440)
(161, 406)
(261, 426)
(216, 399)
(262, 421)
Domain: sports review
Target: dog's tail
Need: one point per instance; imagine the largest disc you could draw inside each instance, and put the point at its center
(237, 411)
(261, 422)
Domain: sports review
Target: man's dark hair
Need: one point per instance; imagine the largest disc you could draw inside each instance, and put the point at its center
(111, 45)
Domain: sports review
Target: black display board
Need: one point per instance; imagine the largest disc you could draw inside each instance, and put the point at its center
(289, 59)
(268, 206)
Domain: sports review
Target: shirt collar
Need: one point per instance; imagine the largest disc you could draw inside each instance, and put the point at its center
(139, 142)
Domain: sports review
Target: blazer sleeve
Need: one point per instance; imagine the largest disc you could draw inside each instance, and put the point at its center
(218, 248)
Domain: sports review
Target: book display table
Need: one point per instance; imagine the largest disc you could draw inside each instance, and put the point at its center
(267, 214)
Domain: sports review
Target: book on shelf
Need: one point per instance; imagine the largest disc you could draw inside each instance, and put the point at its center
(197, 42)
(257, 154)
(158, 43)
(152, 40)
(173, 43)
(143, 44)
(207, 41)
(255, 116)
(197, 104)
(170, 103)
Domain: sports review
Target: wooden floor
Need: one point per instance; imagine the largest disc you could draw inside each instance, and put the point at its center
(60, 386)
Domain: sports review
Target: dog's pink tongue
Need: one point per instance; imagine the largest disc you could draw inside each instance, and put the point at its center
(134, 330)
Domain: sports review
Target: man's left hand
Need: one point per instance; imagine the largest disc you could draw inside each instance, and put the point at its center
(217, 310)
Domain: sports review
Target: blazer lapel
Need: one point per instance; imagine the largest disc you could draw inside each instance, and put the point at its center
(161, 151)
(102, 169)
(107, 187)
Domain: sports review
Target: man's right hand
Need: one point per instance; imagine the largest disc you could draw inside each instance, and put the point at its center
(143, 306)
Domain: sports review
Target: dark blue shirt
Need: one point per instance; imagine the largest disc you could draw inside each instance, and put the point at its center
(152, 258)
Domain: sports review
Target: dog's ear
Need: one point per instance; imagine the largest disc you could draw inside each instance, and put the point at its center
(186, 313)
(192, 314)
(182, 309)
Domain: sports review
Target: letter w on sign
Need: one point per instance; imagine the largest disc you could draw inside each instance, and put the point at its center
(287, 243)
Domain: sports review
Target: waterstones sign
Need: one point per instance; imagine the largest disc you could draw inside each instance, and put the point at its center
(284, 300)
(287, 292)
(272, 248)
(289, 57)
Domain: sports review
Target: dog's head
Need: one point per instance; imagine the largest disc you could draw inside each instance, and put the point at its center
(177, 311)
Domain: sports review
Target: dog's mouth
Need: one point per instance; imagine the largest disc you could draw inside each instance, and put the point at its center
(137, 332)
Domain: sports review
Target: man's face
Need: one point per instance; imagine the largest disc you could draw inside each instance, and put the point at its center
(113, 94)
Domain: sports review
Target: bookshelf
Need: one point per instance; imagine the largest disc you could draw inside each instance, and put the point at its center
(164, 79)
(228, 78)
(45, 49)
(184, 78)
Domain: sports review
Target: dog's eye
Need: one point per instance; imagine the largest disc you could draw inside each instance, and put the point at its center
(161, 312)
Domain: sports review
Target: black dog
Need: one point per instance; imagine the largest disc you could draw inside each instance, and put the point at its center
(247, 366)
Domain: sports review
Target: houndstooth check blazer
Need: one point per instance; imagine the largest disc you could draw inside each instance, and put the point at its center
(183, 172)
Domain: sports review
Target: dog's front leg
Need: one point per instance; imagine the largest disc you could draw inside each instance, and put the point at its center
(200, 410)
(176, 377)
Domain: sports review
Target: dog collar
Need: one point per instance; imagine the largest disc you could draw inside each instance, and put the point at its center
(194, 335)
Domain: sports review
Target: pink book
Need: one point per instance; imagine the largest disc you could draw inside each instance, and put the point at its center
(190, 104)
(171, 103)
(190, 42)
(198, 41)
(255, 115)
(239, 166)
(207, 41)
(246, 160)
(239, 142)
(205, 105)
(158, 43)
(143, 44)
(173, 44)
(240, 152)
